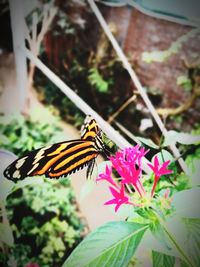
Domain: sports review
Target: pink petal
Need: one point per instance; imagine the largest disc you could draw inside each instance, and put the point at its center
(112, 201)
(114, 192)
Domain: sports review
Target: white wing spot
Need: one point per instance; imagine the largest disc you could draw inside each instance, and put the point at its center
(16, 174)
(20, 162)
(34, 167)
(38, 156)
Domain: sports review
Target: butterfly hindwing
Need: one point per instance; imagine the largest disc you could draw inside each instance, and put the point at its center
(54, 161)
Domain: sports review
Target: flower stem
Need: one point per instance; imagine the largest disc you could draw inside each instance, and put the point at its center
(141, 187)
(154, 185)
(185, 257)
(137, 189)
(173, 240)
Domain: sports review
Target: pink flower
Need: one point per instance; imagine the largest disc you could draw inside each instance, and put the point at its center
(107, 176)
(127, 163)
(159, 170)
(119, 198)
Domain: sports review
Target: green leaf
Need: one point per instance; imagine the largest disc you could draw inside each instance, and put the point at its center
(181, 138)
(185, 232)
(164, 155)
(6, 235)
(6, 187)
(194, 174)
(184, 81)
(110, 245)
(160, 259)
(186, 203)
(170, 138)
(193, 239)
(187, 139)
(151, 241)
(159, 233)
(30, 181)
(147, 142)
(96, 79)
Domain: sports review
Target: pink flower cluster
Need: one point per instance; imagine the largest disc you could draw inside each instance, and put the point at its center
(127, 163)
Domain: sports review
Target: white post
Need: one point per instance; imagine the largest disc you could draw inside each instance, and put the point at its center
(18, 35)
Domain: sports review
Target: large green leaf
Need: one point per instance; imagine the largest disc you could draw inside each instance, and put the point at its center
(110, 245)
(160, 259)
(156, 244)
(181, 11)
(6, 186)
(193, 239)
(181, 138)
(186, 233)
(186, 203)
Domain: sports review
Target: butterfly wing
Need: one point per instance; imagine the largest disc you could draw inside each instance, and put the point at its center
(54, 161)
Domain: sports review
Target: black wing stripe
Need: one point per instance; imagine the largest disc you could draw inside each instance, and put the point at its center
(67, 162)
(73, 166)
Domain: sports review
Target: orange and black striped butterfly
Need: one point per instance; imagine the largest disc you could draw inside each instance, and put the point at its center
(61, 159)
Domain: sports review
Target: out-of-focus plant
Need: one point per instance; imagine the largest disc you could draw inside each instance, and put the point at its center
(161, 212)
(59, 104)
(96, 79)
(21, 135)
(40, 224)
(44, 223)
(185, 82)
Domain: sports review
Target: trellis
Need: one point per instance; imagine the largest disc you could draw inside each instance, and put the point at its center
(20, 35)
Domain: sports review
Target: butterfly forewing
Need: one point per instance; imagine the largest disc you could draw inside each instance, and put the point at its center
(54, 161)
(60, 159)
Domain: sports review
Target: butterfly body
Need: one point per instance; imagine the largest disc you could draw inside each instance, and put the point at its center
(60, 159)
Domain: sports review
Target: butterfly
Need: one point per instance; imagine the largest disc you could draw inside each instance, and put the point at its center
(61, 159)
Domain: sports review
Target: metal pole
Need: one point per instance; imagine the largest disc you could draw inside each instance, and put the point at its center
(83, 106)
(18, 35)
(136, 81)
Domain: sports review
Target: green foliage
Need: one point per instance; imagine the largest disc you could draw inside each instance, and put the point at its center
(112, 244)
(43, 218)
(185, 82)
(21, 135)
(171, 219)
(59, 104)
(160, 259)
(63, 25)
(42, 213)
(96, 79)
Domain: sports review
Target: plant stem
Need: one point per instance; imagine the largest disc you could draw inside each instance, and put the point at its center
(173, 240)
